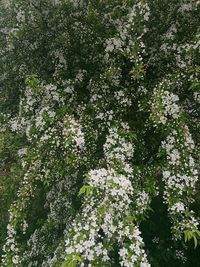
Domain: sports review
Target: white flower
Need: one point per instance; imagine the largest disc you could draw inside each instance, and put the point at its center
(15, 259)
(144, 264)
(123, 252)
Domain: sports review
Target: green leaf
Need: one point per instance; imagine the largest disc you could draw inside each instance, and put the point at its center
(161, 153)
(192, 235)
(195, 241)
(86, 189)
(129, 218)
(185, 236)
(198, 232)
(102, 209)
(195, 86)
(78, 258)
(188, 235)
(72, 263)
(64, 264)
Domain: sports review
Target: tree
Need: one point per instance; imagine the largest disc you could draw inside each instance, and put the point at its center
(99, 103)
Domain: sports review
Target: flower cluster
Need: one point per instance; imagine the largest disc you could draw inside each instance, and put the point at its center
(73, 133)
(119, 154)
(106, 210)
(107, 215)
(180, 178)
(39, 123)
(164, 105)
(179, 173)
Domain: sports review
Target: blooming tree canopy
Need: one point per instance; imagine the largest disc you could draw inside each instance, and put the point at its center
(100, 132)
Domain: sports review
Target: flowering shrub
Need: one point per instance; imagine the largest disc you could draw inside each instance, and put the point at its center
(99, 133)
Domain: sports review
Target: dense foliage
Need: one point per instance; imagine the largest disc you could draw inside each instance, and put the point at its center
(99, 137)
